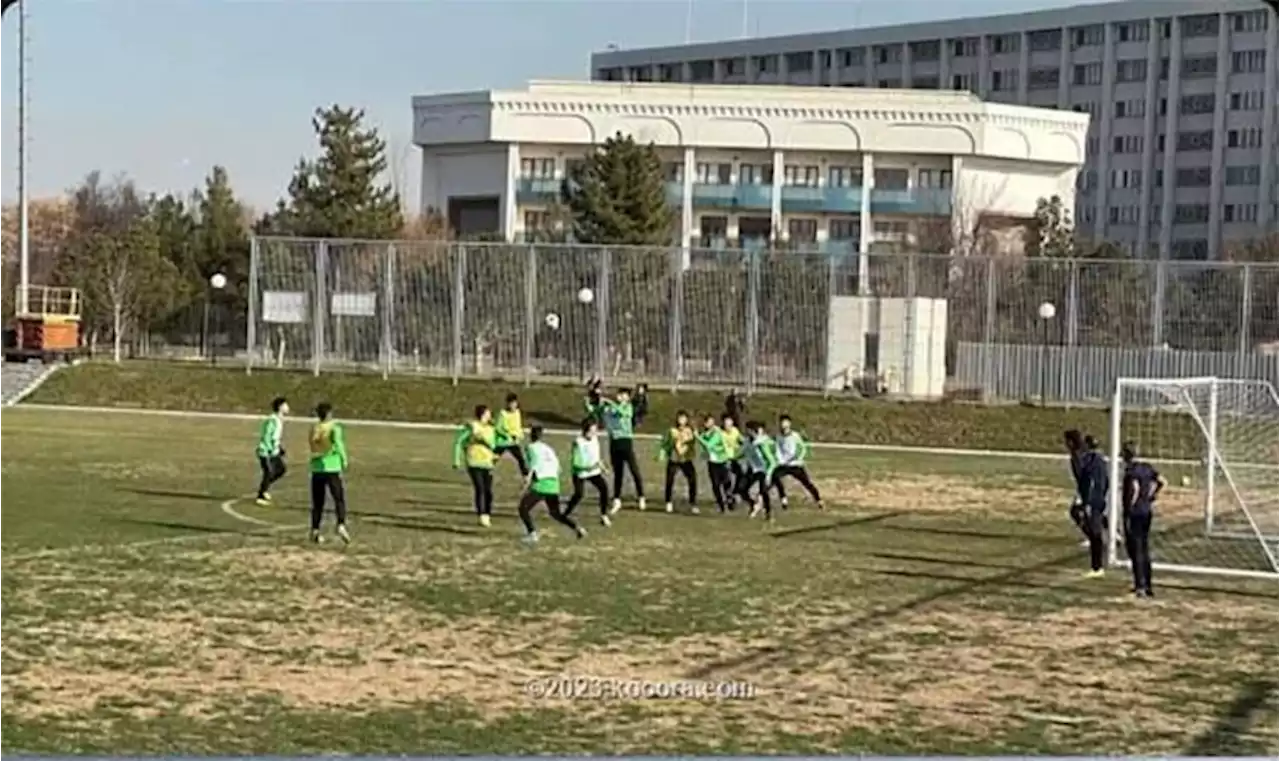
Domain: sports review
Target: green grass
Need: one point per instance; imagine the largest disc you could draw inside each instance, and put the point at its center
(937, 608)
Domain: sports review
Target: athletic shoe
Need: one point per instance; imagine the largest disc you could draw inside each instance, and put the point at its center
(1098, 574)
(617, 505)
(670, 508)
(693, 510)
(342, 533)
(606, 521)
(316, 538)
(485, 521)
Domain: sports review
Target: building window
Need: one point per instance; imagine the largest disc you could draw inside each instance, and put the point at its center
(1200, 67)
(1004, 80)
(888, 53)
(1248, 61)
(1244, 175)
(1160, 143)
(1126, 178)
(537, 169)
(1156, 213)
(1044, 40)
(1193, 177)
(1240, 212)
(1248, 100)
(1253, 21)
(1087, 74)
(802, 230)
(609, 75)
(640, 74)
(800, 176)
(1133, 31)
(1134, 108)
(1126, 144)
(713, 231)
(928, 50)
(1122, 215)
(1085, 107)
(1164, 69)
(1043, 79)
(1085, 36)
(1195, 141)
(964, 48)
(1197, 104)
(1166, 29)
(766, 64)
(892, 179)
(1191, 249)
(1087, 214)
(1091, 146)
(799, 62)
(1200, 26)
(702, 71)
(850, 57)
(844, 176)
(673, 171)
(1191, 214)
(936, 179)
(1157, 178)
(755, 174)
(924, 83)
(1005, 43)
(537, 221)
(963, 81)
(1244, 138)
(713, 174)
(843, 229)
(1131, 70)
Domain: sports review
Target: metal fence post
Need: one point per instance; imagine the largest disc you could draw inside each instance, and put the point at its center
(908, 328)
(320, 310)
(1073, 302)
(251, 319)
(530, 307)
(753, 319)
(602, 311)
(388, 308)
(827, 369)
(677, 317)
(1246, 309)
(1157, 303)
(459, 308)
(989, 331)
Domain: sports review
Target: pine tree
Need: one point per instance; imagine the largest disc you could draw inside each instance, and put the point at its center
(618, 196)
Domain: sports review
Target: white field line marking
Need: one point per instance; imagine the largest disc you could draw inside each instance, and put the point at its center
(889, 448)
(228, 507)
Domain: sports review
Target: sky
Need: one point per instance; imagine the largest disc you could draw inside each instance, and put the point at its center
(162, 90)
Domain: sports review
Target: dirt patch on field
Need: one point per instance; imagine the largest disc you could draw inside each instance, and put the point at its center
(917, 493)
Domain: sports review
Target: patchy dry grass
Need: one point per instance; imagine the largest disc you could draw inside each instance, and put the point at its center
(938, 608)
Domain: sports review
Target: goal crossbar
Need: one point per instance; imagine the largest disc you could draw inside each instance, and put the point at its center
(1175, 391)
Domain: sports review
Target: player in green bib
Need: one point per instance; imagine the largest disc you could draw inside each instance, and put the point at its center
(543, 485)
(715, 447)
(271, 449)
(328, 446)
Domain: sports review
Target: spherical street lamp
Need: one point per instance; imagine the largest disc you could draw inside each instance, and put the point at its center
(1047, 312)
(218, 281)
(586, 296)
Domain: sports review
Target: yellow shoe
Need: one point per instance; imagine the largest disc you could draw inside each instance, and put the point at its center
(484, 521)
(262, 502)
(1098, 574)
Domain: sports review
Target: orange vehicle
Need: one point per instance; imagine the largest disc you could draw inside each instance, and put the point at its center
(47, 328)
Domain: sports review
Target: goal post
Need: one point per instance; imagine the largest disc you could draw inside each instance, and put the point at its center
(1217, 443)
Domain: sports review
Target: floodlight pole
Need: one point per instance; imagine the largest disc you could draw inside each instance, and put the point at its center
(24, 217)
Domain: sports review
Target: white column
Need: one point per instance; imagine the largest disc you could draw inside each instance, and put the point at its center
(775, 198)
(944, 64)
(509, 203)
(906, 65)
(1269, 108)
(869, 65)
(1024, 67)
(865, 231)
(686, 201)
(984, 68)
(1147, 194)
(1218, 174)
(1170, 136)
(819, 71)
(958, 220)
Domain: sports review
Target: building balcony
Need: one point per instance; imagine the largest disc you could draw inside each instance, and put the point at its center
(675, 193)
(733, 196)
(934, 201)
(838, 200)
(538, 190)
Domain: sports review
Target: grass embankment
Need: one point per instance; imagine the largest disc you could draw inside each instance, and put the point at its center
(854, 421)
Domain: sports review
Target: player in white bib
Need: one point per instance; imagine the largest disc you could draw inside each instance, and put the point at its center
(588, 468)
(543, 484)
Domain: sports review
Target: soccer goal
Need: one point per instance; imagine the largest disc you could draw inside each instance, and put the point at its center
(1217, 442)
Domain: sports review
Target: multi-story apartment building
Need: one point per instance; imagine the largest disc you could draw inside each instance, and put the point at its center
(1182, 148)
(851, 170)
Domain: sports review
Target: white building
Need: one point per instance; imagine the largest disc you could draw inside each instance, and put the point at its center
(850, 169)
(1182, 152)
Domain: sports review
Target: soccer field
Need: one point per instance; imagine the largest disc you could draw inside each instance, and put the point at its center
(937, 608)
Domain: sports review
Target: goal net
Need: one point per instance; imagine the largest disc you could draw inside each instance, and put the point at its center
(1216, 443)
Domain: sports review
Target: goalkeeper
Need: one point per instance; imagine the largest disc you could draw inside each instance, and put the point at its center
(1094, 472)
(1074, 442)
(1142, 484)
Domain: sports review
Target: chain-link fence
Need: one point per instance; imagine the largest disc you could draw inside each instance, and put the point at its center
(971, 327)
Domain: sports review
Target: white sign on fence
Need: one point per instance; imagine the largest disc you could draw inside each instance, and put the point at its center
(288, 307)
(354, 304)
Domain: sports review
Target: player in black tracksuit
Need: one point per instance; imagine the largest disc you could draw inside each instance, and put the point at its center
(1093, 471)
(1074, 442)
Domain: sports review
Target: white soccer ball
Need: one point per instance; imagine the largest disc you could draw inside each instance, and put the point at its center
(1186, 480)
(552, 320)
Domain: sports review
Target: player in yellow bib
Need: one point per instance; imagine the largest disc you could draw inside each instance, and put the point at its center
(474, 445)
(328, 461)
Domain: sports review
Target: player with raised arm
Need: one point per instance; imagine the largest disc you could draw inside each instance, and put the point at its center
(1093, 468)
(508, 433)
(588, 468)
(760, 456)
(1142, 484)
(716, 449)
(475, 446)
(328, 461)
(543, 485)
(678, 450)
(793, 448)
(270, 449)
(618, 417)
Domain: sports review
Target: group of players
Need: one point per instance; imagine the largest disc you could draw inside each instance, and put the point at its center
(1142, 484)
(741, 467)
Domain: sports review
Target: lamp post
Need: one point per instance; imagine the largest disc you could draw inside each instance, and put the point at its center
(1047, 312)
(217, 281)
(585, 297)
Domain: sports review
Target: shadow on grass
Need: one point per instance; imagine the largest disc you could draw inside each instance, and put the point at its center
(438, 528)
(177, 526)
(1248, 593)
(1230, 734)
(173, 494)
(834, 525)
(943, 560)
(451, 480)
(968, 534)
